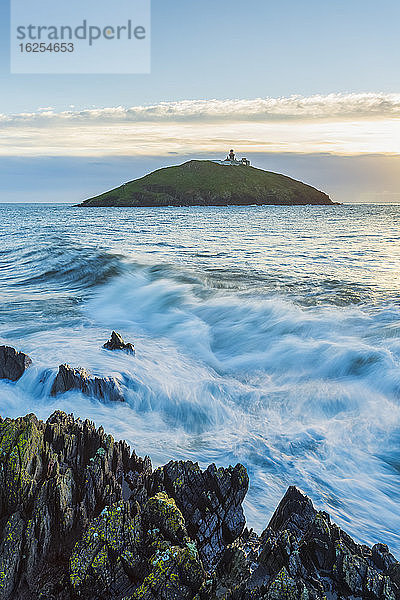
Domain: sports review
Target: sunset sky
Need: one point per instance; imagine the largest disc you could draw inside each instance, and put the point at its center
(286, 78)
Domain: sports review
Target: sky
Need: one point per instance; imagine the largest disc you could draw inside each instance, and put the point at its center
(290, 84)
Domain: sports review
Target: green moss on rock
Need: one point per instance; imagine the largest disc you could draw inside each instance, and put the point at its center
(161, 512)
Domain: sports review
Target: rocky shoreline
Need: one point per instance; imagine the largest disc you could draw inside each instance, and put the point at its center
(83, 517)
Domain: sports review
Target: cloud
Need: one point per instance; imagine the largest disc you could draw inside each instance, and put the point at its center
(336, 123)
(297, 108)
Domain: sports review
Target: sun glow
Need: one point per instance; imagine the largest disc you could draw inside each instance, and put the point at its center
(162, 138)
(337, 124)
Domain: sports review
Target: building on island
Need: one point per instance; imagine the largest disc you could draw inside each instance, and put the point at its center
(231, 161)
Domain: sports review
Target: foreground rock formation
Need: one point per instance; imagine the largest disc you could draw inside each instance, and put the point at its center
(205, 183)
(81, 516)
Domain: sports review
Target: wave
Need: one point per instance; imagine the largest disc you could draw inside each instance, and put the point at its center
(305, 395)
(57, 266)
(258, 340)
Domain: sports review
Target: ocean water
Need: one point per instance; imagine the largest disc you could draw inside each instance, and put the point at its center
(265, 335)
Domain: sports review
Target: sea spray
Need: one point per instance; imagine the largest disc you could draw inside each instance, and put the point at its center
(273, 350)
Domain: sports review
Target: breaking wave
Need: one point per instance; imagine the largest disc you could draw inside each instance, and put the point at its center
(298, 378)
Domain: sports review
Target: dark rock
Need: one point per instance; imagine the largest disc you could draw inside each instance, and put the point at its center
(13, 364)
(10, 553)
(294, 513)
(382, 557)
(56, 477)
(81, 516)
(161, 512)
(210, 501)
(302, 555)
(78, 518)
(103, 388)
(237, 563)
(117, 343)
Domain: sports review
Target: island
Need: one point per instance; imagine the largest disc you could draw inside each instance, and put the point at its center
(227, 182)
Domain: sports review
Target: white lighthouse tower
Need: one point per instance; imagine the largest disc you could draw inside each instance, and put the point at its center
(231, 161)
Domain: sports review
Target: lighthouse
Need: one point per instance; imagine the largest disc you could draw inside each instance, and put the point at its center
(231, 161)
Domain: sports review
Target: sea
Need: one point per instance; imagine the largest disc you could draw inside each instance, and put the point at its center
(264, 335)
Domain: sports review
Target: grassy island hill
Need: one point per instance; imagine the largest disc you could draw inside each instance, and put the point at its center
(207, 183)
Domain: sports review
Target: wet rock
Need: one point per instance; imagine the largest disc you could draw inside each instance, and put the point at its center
(13, 364)
(116, 342)
(294, 513)
(103, 388)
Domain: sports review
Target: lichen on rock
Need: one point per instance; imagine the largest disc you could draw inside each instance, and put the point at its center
(83, 517)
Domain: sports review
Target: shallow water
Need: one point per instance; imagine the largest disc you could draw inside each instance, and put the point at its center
(265, 335)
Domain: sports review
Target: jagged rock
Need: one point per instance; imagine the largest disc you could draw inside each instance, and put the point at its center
(161, 512)
(302, 555)
(176, 573)
(237, 563)
(13, 364)
(56, 477)
(116, 342)
(294, 513)
(78, 517)
(10, 553)
(83, 517)
(210, 501)
(103, 388)
(97, 563)
(174, 566)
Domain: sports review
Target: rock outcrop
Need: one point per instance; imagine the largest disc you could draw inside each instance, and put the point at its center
(13, 364)
(102, 388)
(210, 501)
(81, 516)
(116, 342)
(302, 555)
